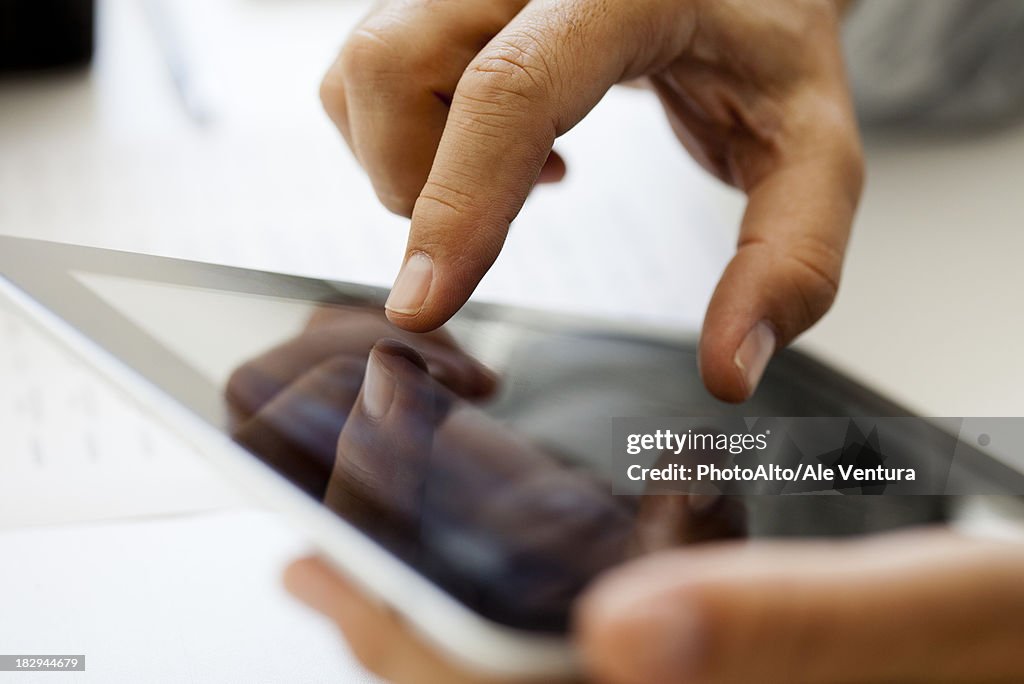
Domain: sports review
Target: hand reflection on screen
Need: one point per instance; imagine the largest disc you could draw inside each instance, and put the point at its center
(289, 404)
(381, 425)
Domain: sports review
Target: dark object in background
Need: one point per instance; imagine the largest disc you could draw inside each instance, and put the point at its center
(42, 34)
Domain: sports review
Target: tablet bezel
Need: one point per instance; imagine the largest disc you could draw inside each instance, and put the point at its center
(37, 277)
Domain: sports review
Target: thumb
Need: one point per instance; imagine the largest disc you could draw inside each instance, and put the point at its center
(534, 81)
(907, 607)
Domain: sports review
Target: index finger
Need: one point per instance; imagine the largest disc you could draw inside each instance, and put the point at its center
(534, 81)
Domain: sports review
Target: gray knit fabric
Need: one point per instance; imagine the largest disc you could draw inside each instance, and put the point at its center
(936, 61)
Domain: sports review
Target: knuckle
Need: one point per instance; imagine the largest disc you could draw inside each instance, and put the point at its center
(813, 267)
(483, 115)
(397, 202)
(238, 390)
(396, 182)
(846, 170)
(513, 69)
(856, 169)
(332, 92)
(805, 280)
(438, 197)
(842, 141)
(469, 253)
(365, 53)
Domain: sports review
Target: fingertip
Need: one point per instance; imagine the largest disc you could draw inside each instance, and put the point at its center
(417, 299)
(312, 582)
(411, 289)
(633, 629)
(392, 348)
(486, 382)
(554, 169)
(379, 387)
(754, 353)
(722, 377)
(394, 376)
(436, 310)
(294, 573)
(419, 322)
(734, 376)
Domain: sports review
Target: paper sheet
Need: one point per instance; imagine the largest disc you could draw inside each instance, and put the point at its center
(187, 600)
(75, 449)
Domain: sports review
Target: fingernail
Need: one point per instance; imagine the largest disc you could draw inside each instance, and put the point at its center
(378, 388)
(412, 285)
(754, 353)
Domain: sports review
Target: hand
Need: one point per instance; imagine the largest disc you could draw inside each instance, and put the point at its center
(342, 332)
(914, 606)
(376, 634)
(918, 606)
(453, 107)
(381, 425)
(357, 418)
(289, 404)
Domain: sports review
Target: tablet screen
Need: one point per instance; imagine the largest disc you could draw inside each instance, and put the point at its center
(478, 454)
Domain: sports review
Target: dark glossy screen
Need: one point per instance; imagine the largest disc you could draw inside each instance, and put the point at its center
(478, 454)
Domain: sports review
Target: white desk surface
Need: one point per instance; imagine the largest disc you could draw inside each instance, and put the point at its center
(929, 311)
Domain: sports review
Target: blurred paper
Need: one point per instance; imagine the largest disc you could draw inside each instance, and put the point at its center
(75, 449)
(191, 600)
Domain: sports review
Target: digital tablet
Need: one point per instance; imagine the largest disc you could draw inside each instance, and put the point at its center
(463, 476)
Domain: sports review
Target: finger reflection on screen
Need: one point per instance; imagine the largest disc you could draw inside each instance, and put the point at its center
(389, 431)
